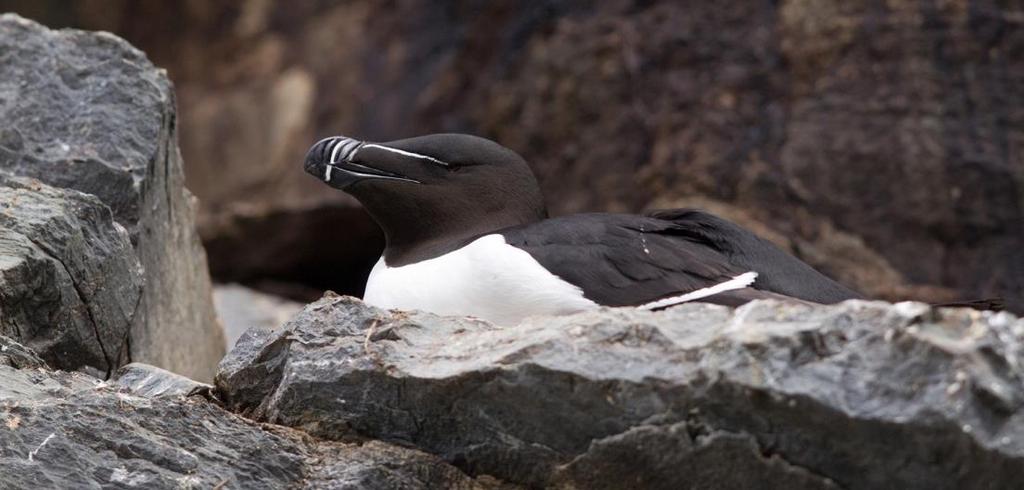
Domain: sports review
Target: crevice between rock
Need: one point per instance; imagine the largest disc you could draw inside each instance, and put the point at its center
(85, 303)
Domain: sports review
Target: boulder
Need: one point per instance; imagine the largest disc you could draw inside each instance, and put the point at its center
(87, 111)
(769, 395)
(69, 430)
(70, 283)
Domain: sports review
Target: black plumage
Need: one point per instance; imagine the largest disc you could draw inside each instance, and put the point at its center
(622, 260)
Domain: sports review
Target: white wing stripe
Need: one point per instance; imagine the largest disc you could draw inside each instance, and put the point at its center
(739, 282)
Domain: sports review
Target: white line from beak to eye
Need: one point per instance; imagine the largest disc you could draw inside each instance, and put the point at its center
(404, 153)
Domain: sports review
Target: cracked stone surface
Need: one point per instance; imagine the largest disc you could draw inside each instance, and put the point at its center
(87, 111)
(70, 430)
(16, 355)
(856, 395)
(70, 283)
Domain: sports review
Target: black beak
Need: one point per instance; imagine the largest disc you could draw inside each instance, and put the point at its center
(331, 160)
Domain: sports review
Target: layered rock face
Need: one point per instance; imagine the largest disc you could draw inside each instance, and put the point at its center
(880, 141)
(88, 112)
(770, 395)
(860, 395)
(70, 283)
(69, 430)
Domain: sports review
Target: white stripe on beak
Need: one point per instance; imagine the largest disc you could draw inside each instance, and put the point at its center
(341, 148)
(341, 152)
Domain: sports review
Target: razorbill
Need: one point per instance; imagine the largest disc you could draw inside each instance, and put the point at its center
(467, 233)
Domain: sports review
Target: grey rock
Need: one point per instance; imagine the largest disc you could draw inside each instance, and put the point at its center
(856, 395)
(70, 430)
(15, 355)
(685, 456)
(151, 381)
(375, 464)
(70, 283)
(67, 430)
(241, 308)
(89, 112)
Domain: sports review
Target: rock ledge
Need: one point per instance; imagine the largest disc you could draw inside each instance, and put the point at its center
(856, 395)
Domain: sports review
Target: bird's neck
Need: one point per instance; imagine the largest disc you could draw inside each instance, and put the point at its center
(413, 235)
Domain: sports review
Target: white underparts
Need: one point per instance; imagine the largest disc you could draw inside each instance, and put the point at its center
(495, 281)
(487, 279)
(739, 282)
(405, 153)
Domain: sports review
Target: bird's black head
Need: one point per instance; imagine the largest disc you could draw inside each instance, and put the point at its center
(433, 188)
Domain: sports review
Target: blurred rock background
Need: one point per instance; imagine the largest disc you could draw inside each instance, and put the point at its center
(882, 141)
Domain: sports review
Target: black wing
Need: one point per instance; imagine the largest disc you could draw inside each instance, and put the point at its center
(623, 260)
(778, 271)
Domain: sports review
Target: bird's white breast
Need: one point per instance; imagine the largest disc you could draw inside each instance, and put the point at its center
(487, 278)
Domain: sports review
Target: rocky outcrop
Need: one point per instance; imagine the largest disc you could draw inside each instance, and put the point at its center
(18, 356)
(879, 140)
(770, 395)
(87, 111)
(70, 283)
(69, 430)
